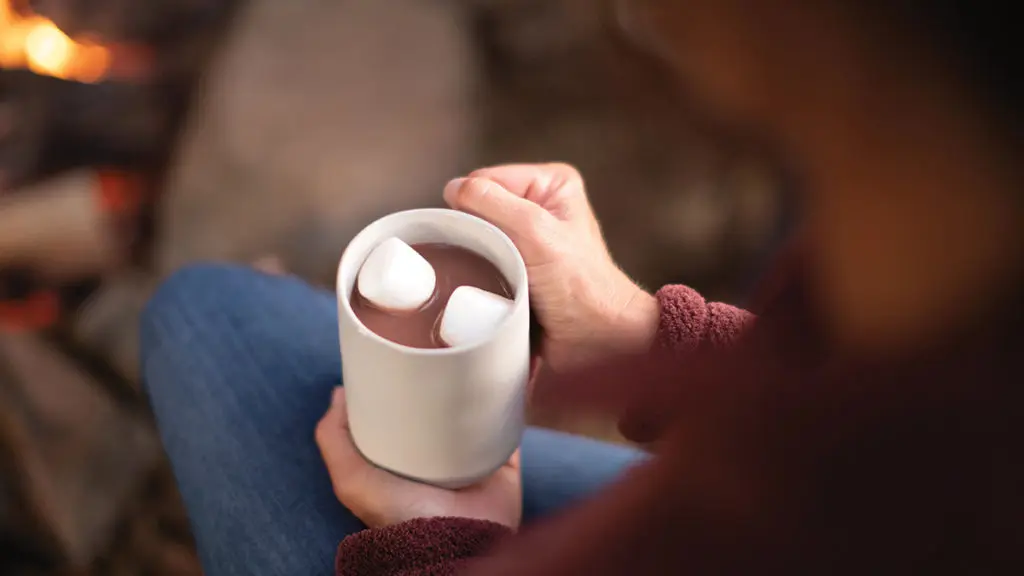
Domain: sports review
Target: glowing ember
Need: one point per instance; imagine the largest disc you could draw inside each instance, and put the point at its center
(35, 43)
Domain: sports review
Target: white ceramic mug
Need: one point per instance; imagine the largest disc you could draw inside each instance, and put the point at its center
(447, 416)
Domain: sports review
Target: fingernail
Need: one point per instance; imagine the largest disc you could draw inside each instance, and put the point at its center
(336, 396)
(451, 191)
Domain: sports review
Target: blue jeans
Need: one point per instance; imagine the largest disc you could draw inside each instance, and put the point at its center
(239, 367)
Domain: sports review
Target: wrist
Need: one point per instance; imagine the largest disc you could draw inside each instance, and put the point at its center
(634, 323)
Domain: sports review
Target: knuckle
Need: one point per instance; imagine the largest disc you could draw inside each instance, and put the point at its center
(564, 193)
(565, 185)
(498, 170)
(535, 224)
(475, 186)
(483, 172)
(567, 194)
(564, 172)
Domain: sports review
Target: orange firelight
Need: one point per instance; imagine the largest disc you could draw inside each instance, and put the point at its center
(35, 43)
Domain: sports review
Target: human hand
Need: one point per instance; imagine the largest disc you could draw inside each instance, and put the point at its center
(380, 498)
(587, 306)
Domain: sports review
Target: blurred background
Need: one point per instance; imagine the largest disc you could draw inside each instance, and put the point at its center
(136, 137)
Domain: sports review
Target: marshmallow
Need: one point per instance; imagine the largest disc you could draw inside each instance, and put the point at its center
(395, 277)
(472, 315)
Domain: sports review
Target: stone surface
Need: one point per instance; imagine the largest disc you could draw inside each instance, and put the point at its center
(318, 118)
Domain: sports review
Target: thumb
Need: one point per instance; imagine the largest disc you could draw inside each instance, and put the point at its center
(345, 464)
(518, 217)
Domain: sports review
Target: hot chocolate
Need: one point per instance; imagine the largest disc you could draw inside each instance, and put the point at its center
(454, 266)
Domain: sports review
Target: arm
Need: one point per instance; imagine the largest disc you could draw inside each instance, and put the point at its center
(421, 547)
(679, 321)
(677, 318)
(687, 322)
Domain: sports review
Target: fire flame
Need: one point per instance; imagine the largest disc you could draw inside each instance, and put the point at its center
(36, 43)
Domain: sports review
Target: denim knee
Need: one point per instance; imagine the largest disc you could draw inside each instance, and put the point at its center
(190, 294)
(228, 315)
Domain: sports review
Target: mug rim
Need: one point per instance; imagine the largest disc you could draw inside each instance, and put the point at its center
(522, 287)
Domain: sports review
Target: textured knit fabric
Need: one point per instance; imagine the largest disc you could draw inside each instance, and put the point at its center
(386, 551)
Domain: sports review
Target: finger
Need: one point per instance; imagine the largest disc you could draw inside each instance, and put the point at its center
(535, 367)
(346, 466)
(557, 187)
(510, 471)
(531, 181)
(515, 462)
(522, 220)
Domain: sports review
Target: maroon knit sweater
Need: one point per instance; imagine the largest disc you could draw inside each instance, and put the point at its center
(772, 456)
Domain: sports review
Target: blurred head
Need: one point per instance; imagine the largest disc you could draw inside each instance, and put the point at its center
(903, 117)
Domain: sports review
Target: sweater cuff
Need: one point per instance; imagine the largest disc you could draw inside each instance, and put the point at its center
(420, 547)
(687, 321)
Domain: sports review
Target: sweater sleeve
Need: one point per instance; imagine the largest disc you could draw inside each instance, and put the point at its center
(420, 547)
(687, 323)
